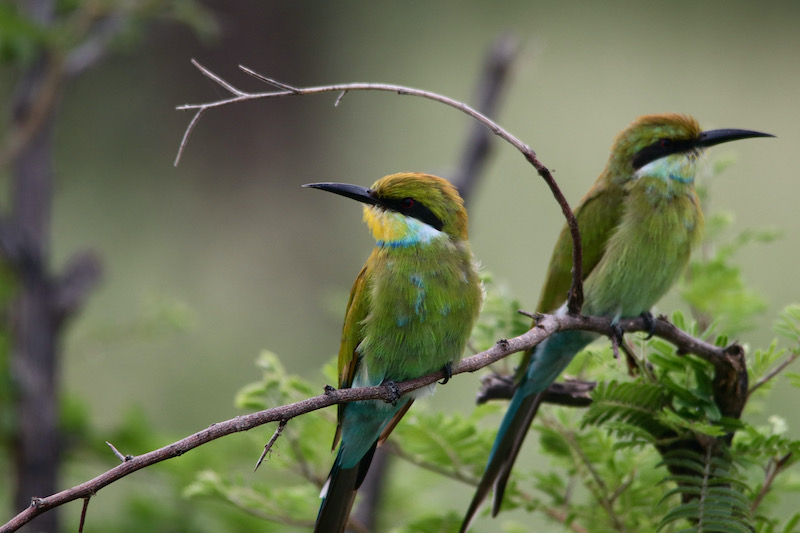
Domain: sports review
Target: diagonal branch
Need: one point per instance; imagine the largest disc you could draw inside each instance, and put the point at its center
(774, 372)
(575, 298)
(546, 326)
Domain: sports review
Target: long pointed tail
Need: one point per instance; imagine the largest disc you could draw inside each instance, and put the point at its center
(339, 493)
(507, 445)
(548, 361)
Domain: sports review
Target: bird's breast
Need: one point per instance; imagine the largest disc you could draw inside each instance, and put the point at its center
(423, 302)
(647, 252)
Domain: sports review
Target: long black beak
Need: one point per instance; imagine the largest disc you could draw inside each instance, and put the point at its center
(713, 137)
(356, 192)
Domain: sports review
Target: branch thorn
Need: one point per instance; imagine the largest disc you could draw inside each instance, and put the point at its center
(268, 445)
(123, 458)
(270, 81)
(216, 79)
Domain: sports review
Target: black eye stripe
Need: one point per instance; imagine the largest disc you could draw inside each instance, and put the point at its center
(659, 149)
(412, 208)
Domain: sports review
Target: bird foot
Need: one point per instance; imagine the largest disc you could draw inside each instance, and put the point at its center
(617, 333)
(616, 339)
(448, 373)
(650, 322)
(395, 392)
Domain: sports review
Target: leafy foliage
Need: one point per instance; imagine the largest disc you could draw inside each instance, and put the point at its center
(635, 446)
(713, 504)
(652, 452)
(22, 38)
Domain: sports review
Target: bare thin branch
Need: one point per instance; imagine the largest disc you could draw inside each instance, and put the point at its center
(775, 467)
(83, 514)
(119, 455)
(268, 445)
(221, 82)
(546, 326)
(269, 81)
(772, 373)
(186, 133)
(575, 297)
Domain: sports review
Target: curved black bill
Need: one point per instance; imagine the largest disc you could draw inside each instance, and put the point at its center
(713, 137)
(356, 192)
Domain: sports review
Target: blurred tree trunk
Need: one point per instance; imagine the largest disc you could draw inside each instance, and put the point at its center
(34, 361)
(43, 301)
(34, 355)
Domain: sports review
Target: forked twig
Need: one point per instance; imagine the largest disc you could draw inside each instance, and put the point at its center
(575, 297)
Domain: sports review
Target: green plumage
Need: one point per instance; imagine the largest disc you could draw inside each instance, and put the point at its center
(648, 248)
(638, 225)
(422, 301)
(410, 313)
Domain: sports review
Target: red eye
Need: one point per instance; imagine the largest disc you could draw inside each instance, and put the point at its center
(407, 203)
(665, 143)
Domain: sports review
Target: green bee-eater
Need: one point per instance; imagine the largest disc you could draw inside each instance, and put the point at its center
(410, 313)
(638, 224)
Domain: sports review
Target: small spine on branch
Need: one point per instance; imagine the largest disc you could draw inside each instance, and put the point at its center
(271, 81)
(268, 445)
(123, 458)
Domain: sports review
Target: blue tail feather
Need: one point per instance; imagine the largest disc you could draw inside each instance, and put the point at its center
(547, 362)
(362, 425)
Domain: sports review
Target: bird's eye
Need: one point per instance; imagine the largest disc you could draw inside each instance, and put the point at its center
(664, 143)
(407, 203)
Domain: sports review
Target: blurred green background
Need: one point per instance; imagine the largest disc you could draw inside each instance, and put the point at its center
(261, 263)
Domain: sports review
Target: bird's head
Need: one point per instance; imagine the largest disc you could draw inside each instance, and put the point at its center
(667, 146)
(407, 208)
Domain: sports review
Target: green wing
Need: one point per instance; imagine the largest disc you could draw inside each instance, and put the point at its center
(598, 214)
(357, 307)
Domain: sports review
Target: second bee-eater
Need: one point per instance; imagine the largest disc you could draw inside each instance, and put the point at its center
(638, 225)
(411, 312)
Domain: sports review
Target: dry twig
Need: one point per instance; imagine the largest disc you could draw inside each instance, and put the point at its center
(575, 297)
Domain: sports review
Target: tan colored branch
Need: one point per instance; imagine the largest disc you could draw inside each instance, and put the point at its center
(575, 297)
(546, 326)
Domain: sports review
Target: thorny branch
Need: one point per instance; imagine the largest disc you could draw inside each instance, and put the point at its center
(775, 466)
(268, 445)
(546, 325)
(575, 296)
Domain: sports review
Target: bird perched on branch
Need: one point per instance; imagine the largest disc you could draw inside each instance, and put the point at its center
(638, 224)
(411, 312)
